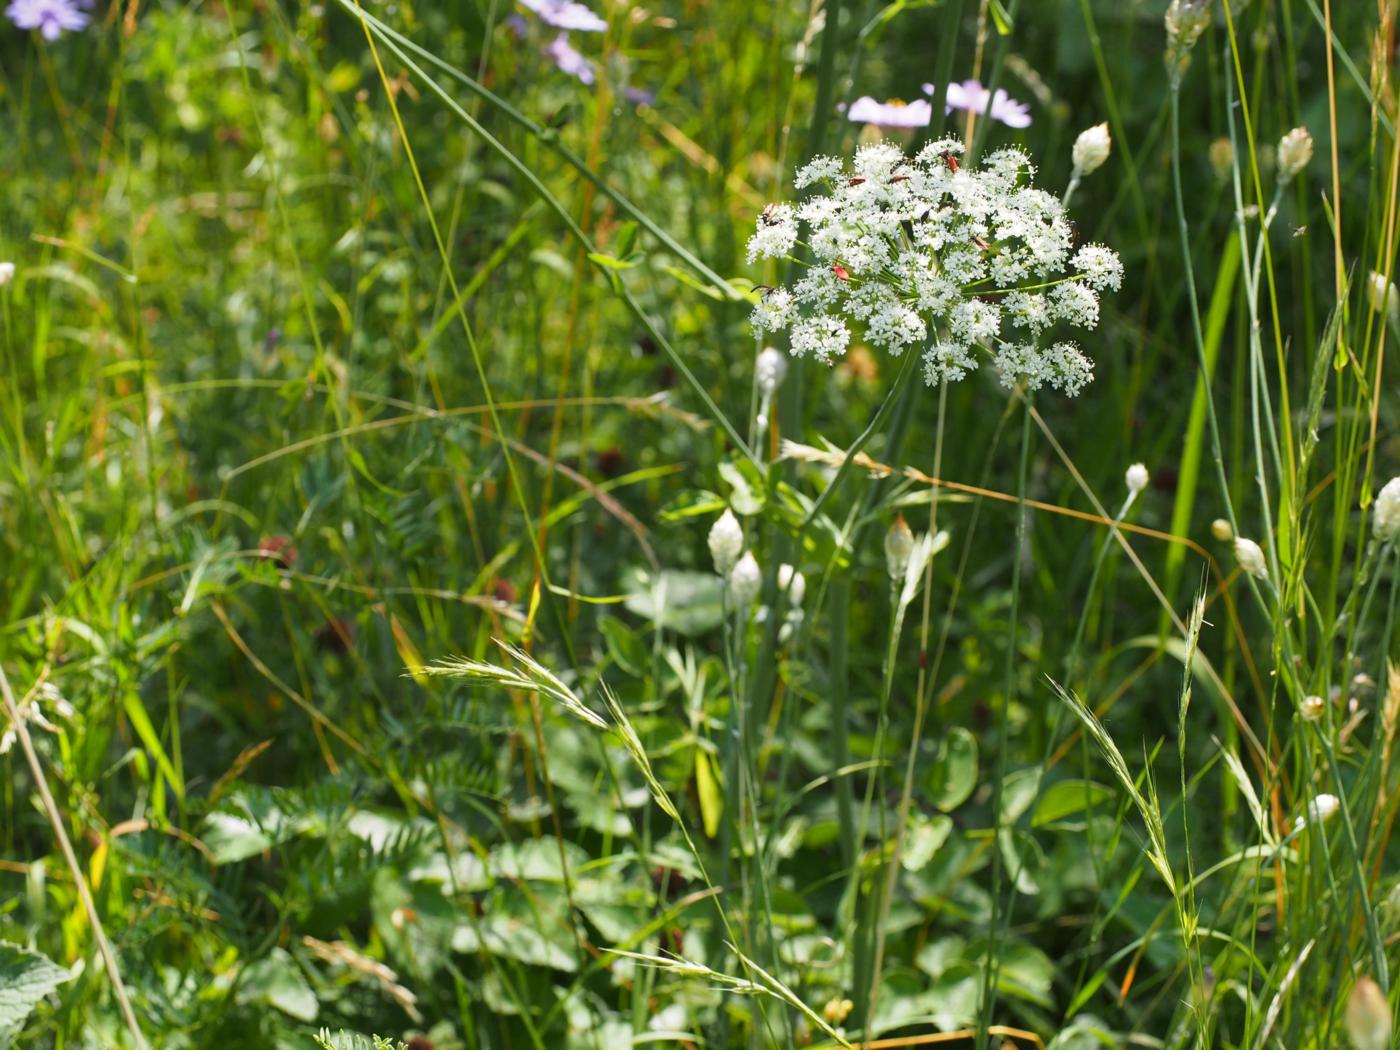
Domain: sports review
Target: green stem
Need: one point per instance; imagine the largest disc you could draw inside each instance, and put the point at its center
(990, 972)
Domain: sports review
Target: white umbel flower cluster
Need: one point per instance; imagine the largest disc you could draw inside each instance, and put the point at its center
(923, 253)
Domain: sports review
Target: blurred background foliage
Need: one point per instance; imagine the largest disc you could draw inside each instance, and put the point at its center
(249, 487)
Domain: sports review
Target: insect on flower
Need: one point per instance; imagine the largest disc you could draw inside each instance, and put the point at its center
(925, 253)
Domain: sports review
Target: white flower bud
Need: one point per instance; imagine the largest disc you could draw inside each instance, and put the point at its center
(1323, 807)
(899, 545)
(7, 273)
(794, 583)
(1382, 294)
(1251, 557)
(1368, 1016)
(1295, 150)
(1091, 149)
(726, 542)
(1311, 708)
(1385, 526)
(769, 370)
(745, 580)
(1137, 478)
(1220, 529)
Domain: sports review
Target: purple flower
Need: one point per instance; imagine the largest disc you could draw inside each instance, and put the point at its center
(973, 97)
(569, 61)
(566, 14)
(891, 114)
(50, 17)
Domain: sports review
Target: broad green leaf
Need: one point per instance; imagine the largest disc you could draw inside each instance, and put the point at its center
(924, 838)
(414, 919)
(689, 603)
(277, 981)
(1067, 797)
(1018, 792)
(25, 978)
(746, 487)
(953, 775)
(232, 838)
(1023, 857)
(627, 650)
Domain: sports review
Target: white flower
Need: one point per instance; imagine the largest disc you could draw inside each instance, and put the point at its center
(745, 579)
(1322, 807)
(726, 542)
(822, 337)
(769, 370)
(1137, 478)
(776, 309)
(1099, 267)
(1091, 149)
(1382, 294)
(792, 582)
(1295, 150)
(899, 545)
(1385, 526)
(7, 273)
(926, 254)
(891, 114)
(1061, 366)
(1251, 557)
(776, 233)
(1312, 708)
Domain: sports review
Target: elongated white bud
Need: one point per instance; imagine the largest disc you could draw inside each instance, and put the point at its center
(794, 583)
(726, 542)
(745, 580)
(769, 370)
(1385, 526)
(899, 545)
(1137, 478)
(1091, 149)
(1251, 557)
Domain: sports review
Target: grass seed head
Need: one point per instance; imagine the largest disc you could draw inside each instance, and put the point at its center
(1295, 150)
